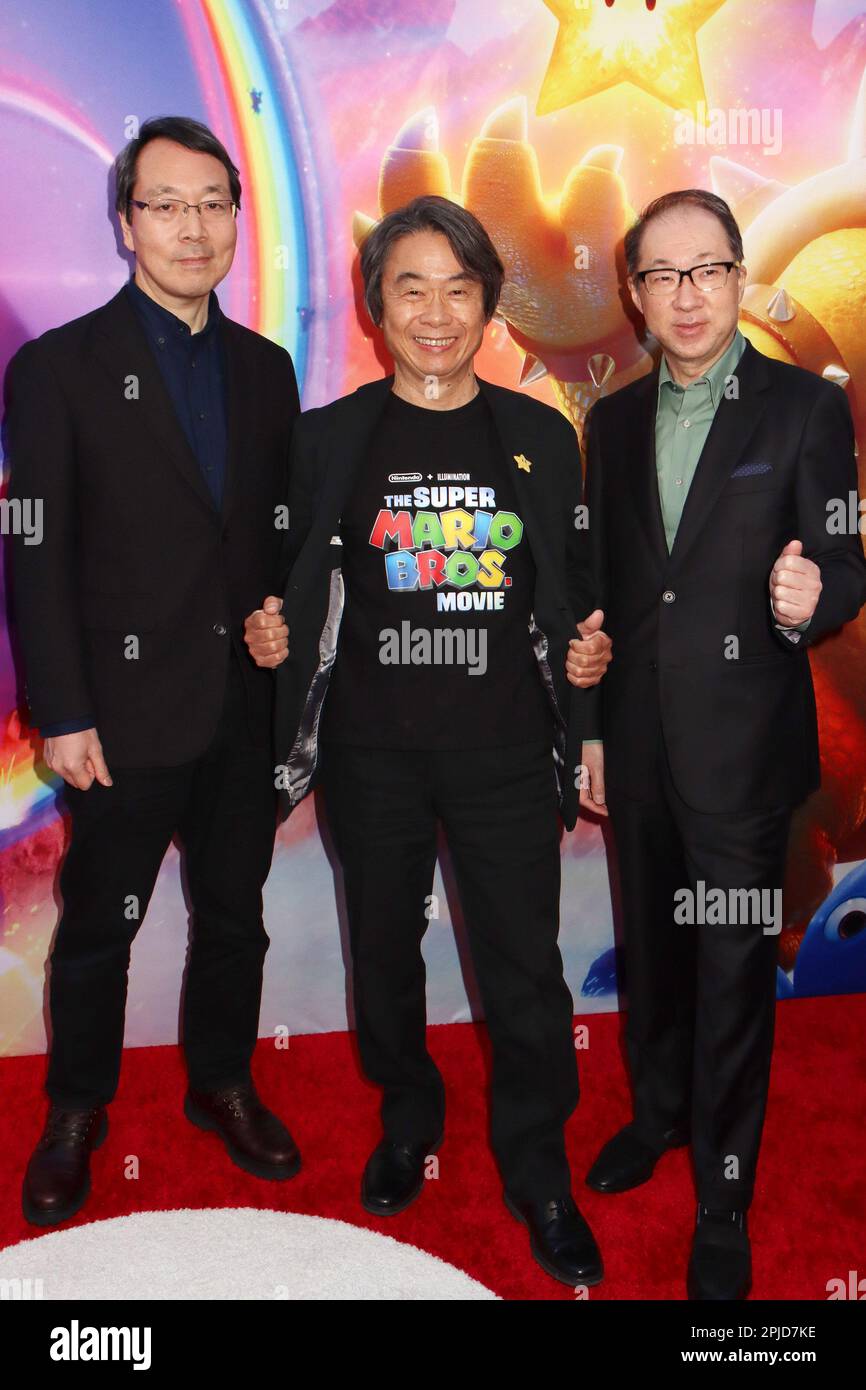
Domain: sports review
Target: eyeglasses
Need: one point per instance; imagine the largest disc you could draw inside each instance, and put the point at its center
(169, 209)
(711, 276)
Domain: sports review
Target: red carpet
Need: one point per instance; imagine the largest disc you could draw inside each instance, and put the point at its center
(808, 1221)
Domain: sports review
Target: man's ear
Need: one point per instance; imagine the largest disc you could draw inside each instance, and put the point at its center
(742, 279)
(126, 232)
(635, 297)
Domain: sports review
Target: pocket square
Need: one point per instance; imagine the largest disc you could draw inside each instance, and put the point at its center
(335, 540)
(748, 470)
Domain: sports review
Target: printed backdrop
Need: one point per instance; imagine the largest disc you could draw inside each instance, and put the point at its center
(552, 120)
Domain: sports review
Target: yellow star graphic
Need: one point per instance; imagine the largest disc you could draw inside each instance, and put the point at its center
(523, 462)
(599, 45)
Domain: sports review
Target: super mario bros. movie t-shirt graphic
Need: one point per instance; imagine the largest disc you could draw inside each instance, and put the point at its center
(458, 550)
(434, 649)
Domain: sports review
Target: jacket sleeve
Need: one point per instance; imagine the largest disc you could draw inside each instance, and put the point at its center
(827, 476)
(597, 558)
(301, 493)
(294, 410)
(577, 549)
(40, 450)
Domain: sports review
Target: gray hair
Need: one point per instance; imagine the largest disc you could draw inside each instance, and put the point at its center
(467, 238)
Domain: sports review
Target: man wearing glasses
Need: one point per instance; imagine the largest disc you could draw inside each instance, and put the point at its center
(708, 483)
(157, 432)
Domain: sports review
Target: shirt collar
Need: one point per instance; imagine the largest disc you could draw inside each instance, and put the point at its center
(716, 375)
(162, 320)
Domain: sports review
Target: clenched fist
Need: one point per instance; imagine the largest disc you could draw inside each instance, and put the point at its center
(795, 586)
(588, 660)
(266, 635)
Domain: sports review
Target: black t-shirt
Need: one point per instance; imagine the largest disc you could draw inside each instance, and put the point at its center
(434, 649)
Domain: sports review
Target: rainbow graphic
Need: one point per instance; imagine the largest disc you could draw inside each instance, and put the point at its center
(45, 106)
(252, 105)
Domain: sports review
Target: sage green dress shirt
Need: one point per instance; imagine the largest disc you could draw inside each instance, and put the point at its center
(683, 419)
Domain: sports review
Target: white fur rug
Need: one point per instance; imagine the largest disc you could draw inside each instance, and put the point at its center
(229, 1253)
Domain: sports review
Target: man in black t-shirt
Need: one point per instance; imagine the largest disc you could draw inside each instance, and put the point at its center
(439, 575)
(435, 569)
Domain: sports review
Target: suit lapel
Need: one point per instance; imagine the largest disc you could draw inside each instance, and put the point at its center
(516, 437)
(121, 347)
(733, 425)
(639, 453)
(346, 446)
(239, 398)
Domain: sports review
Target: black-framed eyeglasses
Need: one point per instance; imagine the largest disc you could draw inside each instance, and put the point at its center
(170, 209)
(710, 276)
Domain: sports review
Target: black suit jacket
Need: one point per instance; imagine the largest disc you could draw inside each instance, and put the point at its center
(328, 448)
(738, 717)
(132, 544)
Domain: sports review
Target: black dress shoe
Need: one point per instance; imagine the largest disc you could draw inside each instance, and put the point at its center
(57, 1181)
(560, 1239)
(255, 1139)
(720, 1267)
(626, 1160)
(394, 1176)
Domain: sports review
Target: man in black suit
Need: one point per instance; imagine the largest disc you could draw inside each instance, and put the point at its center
(157, 432)
(709, 484)
(439, 573)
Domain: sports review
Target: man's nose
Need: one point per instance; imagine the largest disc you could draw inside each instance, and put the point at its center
(687, 296)
(438, 309)
(192, 227)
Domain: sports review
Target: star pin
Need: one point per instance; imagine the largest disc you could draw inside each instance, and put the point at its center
(523, 462)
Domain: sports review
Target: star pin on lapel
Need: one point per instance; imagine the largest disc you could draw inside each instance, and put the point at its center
(522, 462)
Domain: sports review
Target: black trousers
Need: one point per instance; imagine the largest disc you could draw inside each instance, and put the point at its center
(498, 809)
(223, 806)
(702, 996)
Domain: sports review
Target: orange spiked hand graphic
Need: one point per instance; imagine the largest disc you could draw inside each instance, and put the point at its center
(560, 302)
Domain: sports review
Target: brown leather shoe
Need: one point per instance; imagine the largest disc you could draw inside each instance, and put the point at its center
(57, 1181)
(255, 1139)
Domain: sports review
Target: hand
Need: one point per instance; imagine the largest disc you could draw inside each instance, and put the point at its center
(592, 779)
(266, 634)
(588, 660)
(795, 586)
(78, 759)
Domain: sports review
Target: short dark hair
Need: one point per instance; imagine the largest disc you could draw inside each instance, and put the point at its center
(183, 131)
(683, 197)
(467, 238)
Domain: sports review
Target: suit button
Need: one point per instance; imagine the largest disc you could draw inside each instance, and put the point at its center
(653, 666)
(220, 629)
(668, 596)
